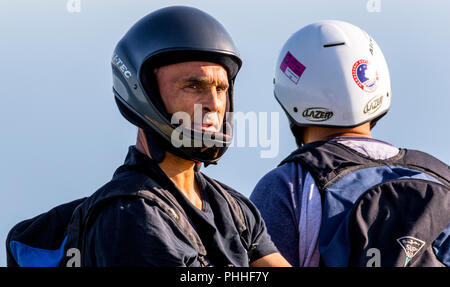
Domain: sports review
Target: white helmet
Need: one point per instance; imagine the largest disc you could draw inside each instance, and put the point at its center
(332, 74)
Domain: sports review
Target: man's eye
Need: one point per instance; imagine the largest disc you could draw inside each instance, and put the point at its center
(192, 86)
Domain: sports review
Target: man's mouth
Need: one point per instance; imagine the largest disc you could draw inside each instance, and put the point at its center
(205, 127)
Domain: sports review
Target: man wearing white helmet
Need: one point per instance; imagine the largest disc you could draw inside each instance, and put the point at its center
(333, 82)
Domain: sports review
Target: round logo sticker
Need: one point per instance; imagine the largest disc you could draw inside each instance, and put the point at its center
(365, 76)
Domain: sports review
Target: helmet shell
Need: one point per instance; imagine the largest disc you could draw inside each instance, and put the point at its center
(332, 74)
(166, 36)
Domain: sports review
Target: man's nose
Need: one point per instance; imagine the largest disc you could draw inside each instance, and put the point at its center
(211, 100)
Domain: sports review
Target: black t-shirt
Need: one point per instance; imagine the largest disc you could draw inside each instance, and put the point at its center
(130, 232)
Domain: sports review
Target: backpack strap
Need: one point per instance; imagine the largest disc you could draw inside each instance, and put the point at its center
(235, 208)
(424, 162)
(166, 201)
(327, 161)
(236, 212)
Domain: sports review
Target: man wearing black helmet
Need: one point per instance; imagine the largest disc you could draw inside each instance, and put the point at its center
(159, 210)
(173, 77)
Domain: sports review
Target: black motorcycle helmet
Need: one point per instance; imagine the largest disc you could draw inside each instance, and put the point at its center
(167, 36)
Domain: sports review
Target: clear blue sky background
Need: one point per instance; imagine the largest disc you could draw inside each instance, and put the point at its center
(62, 136)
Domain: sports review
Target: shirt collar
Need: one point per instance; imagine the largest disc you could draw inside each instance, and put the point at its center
(136, 160)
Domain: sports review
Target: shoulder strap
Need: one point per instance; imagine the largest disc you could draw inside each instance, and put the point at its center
(327, 161)
(235, 208)
(426, 163)
(236, 212)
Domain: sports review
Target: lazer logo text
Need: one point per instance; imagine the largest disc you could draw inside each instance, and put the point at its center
(317, 114)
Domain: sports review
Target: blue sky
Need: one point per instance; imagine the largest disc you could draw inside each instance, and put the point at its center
(63, 137)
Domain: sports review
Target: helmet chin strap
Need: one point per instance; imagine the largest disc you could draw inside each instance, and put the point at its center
(154, 145)
(157, 150)
(297, 131)
(197, 166)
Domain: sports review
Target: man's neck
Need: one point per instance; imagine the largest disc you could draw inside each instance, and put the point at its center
(179, 170)
(312, 134)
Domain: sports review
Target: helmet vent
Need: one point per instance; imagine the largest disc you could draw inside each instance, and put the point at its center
(334, 44)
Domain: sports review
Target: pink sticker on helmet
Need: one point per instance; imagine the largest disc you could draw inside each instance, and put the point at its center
(292, 67)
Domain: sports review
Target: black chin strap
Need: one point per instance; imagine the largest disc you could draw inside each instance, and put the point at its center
(157, 150)
(198, 165)
(155, 147)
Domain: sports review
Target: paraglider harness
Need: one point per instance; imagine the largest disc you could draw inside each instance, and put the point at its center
(392, 212)
(57, 237)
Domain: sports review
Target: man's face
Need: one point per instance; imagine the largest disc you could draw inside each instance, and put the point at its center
(186, 84)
